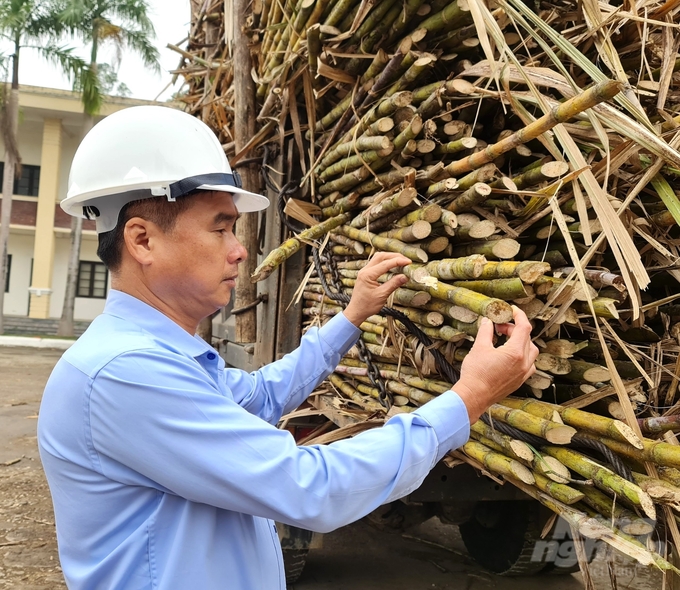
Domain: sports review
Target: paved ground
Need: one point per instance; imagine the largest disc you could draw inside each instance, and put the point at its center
(357, 556)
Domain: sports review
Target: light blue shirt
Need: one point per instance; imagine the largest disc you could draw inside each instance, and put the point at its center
(167, 470)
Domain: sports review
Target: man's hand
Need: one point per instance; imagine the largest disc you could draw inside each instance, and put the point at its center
(369, 295)
(489, 374)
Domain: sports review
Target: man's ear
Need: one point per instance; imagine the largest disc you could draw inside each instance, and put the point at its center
(139, 235)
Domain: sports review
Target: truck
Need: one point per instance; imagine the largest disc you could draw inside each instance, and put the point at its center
(502, 528)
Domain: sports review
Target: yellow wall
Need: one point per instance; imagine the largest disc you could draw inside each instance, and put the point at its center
(50, 129)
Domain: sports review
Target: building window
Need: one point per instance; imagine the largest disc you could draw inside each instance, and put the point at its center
(92, 280)
(28, 183)
(9, 268)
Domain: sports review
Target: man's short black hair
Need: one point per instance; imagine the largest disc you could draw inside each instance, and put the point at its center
(158, 210)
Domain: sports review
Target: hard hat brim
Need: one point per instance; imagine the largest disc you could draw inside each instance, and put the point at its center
(245, 201)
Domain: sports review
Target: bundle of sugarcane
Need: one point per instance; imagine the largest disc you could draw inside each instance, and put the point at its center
(486, 145)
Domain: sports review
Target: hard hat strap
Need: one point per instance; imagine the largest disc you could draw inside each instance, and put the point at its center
(186, 185)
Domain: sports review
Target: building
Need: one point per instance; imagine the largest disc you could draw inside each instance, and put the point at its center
(50, 129)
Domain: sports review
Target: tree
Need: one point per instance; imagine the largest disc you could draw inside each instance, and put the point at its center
(33, 25)
(127, 25)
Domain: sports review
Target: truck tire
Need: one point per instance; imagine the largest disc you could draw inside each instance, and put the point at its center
(501, 537)
(294, 561)
(505, 538)
(398, 517)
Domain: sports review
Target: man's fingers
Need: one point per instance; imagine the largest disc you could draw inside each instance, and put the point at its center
(505, 329)
(376, 267)
(386, 289)
(521, 319)
(521, 331)
(484, 334)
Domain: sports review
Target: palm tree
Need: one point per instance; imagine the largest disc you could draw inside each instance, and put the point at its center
(34, 25)
(127, 25)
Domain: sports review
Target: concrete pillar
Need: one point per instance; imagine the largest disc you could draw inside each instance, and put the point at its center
(43, 250)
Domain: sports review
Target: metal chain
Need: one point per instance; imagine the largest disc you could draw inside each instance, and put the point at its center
(384, 396)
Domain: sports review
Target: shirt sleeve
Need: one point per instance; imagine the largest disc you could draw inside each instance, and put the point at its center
(156, 421)
(282, 386)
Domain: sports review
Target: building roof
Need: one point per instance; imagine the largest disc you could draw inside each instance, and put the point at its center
(41, 103)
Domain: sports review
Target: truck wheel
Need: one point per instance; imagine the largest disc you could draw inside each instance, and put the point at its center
(294, 563)
(505, 538)
(501, 536)
(397, 517)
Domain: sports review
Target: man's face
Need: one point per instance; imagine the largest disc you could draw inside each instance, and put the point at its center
(197, 262)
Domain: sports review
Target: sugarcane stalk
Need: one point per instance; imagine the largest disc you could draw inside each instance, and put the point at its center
(552, 364)
(388, 244)
(496, 310)
(669, 474)
(581, 420)
(408, 11)
(659, 424)
(502, 249)
(355, 161)
(409, 297)
(527, 271)
(389, 205)
(365, 143)
(455, 15)
(384, 181)
(515, 449)
(430, 213)
(545, 172)
(424, 385)
(601, 92)
(550, 431)
(660, 491)
(506, 289)
(654, 451)
(604, 307)
(604, 478)
(453, 147)
(341, 206)
(472, 197)
(352, 393)
(343, 251)
(338, 12)
(419, 230)
(625, 519)
(434, 244)
(346, 181)
(589, 372)
(358, 247)
(277, 256)
(469, 267)
(559, 491)
(498, 463)
(475, 231)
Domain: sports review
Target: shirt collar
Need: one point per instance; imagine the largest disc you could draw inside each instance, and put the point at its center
(149, 319)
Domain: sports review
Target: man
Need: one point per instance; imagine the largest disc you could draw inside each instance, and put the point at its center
(166, 469)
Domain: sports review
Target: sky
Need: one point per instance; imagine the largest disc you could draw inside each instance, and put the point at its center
(171, 20)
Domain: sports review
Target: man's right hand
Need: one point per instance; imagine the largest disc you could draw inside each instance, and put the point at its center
(489, 374)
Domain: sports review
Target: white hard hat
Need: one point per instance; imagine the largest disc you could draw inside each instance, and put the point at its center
(148, 151)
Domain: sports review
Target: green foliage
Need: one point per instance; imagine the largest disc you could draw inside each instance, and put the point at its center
(126, 24)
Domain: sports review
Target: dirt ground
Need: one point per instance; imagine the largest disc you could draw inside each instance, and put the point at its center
(358, 556)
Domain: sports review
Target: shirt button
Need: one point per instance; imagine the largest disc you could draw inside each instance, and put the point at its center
(212, 356)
